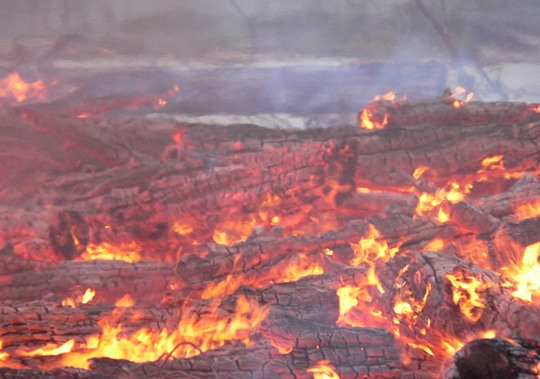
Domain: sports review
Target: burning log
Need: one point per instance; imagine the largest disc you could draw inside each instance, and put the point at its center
(496, 359)
(401, 113)
(447, 294)
(280, 249)
(359, 353)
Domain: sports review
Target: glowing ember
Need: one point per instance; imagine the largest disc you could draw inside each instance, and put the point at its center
(323, 370)
(14, 87)
(466, 291)
(128, 252)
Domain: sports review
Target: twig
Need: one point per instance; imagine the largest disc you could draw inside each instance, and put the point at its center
(170, 353)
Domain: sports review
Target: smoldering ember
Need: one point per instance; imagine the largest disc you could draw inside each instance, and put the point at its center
(405, 246)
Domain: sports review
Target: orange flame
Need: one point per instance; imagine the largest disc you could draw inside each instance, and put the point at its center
(371, 248)
(127, 252)
(368, 120)
(466, 291)
(14, 87)
(124, 301)
(528, 210)
(50, 349)
(85, 298)
(323, 370)
(205, 332)
(527, 275)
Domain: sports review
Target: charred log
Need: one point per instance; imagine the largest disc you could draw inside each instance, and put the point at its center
(496, 359)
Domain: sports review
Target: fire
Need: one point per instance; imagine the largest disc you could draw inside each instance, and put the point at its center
(124, 301)
(428, 202)
(300, 267)
(535, 108)
(50, 349)
(85, 298)
(194, 334)
(88, 296)
(14, 87)
(231, 231)
(3, 355)
(323, 370)
(436, 244)
(127, 252)
(419, 172)
(457, 104)
(370, 248)
(528, 210)
(369, 120)
(466, 291)
(348, 299)
(527, 275)
(297, 267)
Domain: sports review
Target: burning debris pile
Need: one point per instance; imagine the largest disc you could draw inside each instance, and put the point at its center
(137, 248)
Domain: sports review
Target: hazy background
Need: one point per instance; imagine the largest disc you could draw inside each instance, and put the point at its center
(490, 46)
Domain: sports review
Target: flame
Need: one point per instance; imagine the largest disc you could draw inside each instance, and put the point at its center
(527, 275)
(528, 210)
(85, 298)
(50, 349)
(358, 304)
(535, 108)
(368, 120)
(228, 232)
(323, 370)
(300, 267)
(436, 244)
(348, 299)
(419, 171)
(127, 252)
(371, 248)
(428, 202)
(225, 287)
(14, 87)
(466, 294)
(3, 355)
(124, 301)
(297, 267)
(195, 333)
(282, 347)
(88, 296)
